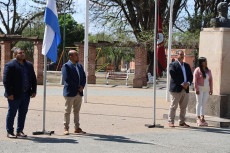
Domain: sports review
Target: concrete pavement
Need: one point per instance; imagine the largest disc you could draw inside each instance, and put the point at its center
(114, 119)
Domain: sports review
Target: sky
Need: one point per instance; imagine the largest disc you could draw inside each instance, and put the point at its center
(79, 16)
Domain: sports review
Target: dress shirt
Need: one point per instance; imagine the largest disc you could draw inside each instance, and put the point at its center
(184, 73)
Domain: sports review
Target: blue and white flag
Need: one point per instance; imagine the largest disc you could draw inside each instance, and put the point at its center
(52, 36)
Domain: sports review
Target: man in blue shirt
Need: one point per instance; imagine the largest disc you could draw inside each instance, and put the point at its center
(20, 84)
(74, 83)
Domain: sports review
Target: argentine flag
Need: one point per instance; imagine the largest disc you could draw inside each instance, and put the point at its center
(52, 36)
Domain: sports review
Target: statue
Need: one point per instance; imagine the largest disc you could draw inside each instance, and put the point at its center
(222, 20)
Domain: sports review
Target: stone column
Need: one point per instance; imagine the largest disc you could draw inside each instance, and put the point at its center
(214, 45)
(5, 55)
(92, 65)
(140, 67)
(38, 62)
(91, 62)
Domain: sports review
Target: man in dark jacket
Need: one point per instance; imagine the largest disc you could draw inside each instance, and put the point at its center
(20, 84)
(181, 79)
(74, 83)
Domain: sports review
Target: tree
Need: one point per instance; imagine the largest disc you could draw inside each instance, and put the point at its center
(136, 16)
(191, 25)
(74, 31)
(15, 16)
(114, 55)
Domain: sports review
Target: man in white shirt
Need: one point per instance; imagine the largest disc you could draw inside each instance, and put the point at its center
(181, 78)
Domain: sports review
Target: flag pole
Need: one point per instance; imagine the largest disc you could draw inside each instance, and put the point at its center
(47, 48)
(169, 50)
(86, 48)
(44, 103)
(63, 49)
(44, 94)
(154, 69)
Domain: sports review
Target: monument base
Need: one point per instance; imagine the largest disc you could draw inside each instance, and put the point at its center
(217, 105)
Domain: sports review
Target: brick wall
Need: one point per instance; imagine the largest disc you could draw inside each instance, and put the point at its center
(38, 62)
(91, 62)
(140, 67)
(5, 55)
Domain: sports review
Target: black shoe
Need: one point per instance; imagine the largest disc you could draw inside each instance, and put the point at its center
(21, 134)
(11, 135)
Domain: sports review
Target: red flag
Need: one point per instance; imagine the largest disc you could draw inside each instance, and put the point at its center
(160, 48)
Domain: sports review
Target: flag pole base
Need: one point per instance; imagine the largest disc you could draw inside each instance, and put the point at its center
(43, 133)
(154, 126)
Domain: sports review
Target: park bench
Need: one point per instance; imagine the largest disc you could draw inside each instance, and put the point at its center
(117, 76)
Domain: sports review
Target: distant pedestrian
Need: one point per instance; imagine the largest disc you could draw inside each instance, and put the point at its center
(203, 84)
(74, 83)
(181, 78)
(20, 84)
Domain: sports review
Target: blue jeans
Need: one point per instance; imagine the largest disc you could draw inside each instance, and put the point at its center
(21, 105)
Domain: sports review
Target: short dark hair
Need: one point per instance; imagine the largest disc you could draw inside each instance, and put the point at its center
(179, 51)
(15, 50)
(70, 53)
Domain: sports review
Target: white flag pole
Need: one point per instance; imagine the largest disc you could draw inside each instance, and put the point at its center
(44, 103)
(154, 69)
(169, 50)
(44, 94)
(86, 47)
(154, 59)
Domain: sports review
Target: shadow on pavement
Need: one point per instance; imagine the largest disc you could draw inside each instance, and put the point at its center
(212, 130)
(51, 140)
(111, 138)
(92, 103)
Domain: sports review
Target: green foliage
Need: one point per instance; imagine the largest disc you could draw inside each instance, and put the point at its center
(114, 55)
(100, 37)
(187, 39)
(32, 30)
(74, 31)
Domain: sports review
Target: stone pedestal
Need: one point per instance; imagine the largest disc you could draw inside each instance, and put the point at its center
(140, 78)
(215, 46)
(217, 105)
(91, 62)
(38, 62)
(5, 55)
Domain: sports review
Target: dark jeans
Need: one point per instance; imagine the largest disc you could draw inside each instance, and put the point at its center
(21, 105)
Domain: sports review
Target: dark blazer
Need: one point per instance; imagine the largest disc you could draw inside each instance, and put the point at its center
(71, 79)
(12, 79)
(177, 77)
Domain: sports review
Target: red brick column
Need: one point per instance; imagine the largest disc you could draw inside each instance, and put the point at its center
(140, 67)
(145, 66)
(38, 62)
(91, 62)
(5, 55)
(92, 65)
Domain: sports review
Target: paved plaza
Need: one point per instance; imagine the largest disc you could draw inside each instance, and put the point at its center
(114, 119)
